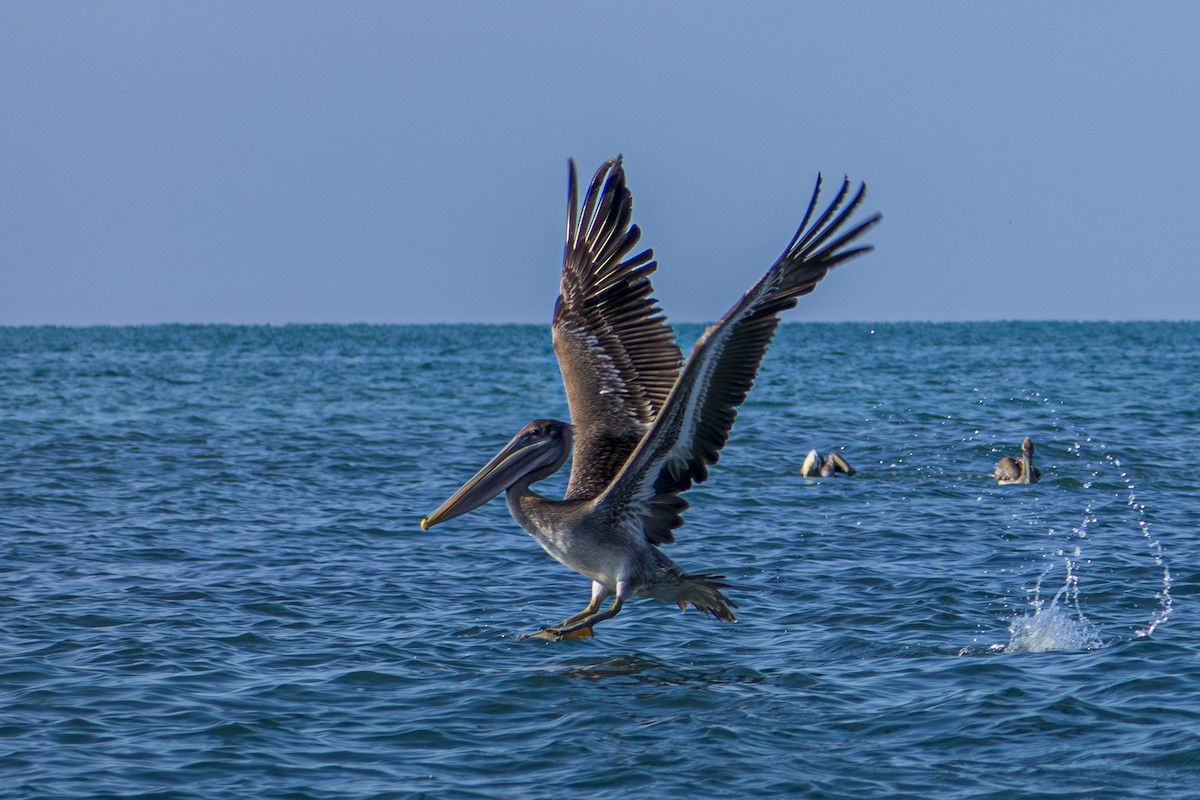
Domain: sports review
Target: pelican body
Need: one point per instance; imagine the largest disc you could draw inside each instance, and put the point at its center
(645, 426)
(1010, 470)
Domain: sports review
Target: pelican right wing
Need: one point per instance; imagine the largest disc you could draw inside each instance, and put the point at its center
(694, 424)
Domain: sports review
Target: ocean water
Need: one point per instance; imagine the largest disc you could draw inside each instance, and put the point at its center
(213, 584)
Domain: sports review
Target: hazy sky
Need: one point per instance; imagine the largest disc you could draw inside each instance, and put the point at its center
(406, 162)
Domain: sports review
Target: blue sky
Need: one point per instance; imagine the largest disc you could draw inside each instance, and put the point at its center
(406, 162)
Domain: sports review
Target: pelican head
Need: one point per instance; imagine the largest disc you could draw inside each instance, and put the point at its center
(538, 451)
(813, 463)
(1027, 447)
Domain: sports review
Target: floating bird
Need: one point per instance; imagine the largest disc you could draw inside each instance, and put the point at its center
(644, 431)
(817, 467)
(1011, 470)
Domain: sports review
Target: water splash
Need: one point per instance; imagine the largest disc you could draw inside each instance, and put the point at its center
(1163, 600)
(1059, 623)
(1051, 629)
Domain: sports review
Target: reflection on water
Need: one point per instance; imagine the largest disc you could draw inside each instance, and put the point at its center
(648, 670)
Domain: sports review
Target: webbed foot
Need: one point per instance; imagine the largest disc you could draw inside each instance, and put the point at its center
(555, 635)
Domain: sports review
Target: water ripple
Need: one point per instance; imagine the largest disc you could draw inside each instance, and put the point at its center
(213, 585)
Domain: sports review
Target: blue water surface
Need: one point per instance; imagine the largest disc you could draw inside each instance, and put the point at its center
(213, 583)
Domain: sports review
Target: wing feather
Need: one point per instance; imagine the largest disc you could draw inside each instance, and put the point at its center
(616, 352)
(694, 424)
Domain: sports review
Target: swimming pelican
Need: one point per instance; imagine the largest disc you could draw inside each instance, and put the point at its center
(1010, 470)
(643, 431)
(830, 466)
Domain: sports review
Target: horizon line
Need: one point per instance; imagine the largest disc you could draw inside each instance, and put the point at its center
(164, 324)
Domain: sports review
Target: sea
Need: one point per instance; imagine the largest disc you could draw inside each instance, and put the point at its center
(213, 583)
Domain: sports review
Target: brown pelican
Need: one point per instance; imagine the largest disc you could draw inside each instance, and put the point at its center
(643, 431)
(830, 466)
(1012, 470)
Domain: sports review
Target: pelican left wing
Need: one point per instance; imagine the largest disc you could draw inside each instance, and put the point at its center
(694, 424)
(616, 352)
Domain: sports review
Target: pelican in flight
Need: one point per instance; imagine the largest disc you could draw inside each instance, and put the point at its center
(644, 430)
(1010, 470)
(818, 466)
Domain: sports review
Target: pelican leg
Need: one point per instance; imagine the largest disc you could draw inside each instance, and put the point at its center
(599, 593)
(551, 632)
(580, 625)
(586, 623)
